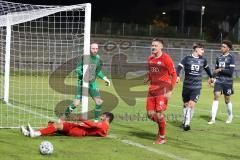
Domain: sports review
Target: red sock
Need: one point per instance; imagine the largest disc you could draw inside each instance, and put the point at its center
(162, 126)
(49, 130)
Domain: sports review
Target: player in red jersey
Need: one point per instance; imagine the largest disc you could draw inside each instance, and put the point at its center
(80, 129)
(162, 77)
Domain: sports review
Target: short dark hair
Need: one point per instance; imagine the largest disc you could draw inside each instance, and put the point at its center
(158, 40)
(197, 45)
(228, 43)
(109, 115)
(93, 43)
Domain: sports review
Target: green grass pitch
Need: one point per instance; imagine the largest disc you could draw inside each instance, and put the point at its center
(132, 135)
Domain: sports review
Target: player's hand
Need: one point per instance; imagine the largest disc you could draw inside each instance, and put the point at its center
(80, 118)
(210, 80)
(168, 94)
(216, 71)
(60, 120)
(145, 81)
(81, 123)
(178, 79)
(107, 81)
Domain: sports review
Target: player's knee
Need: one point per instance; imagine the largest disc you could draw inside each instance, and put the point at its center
(185, 105)
(150, 114)
(227, 100)
(160, 115)
(217, 96)
(192, 104)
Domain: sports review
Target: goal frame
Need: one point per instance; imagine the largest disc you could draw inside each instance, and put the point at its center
(8, 23)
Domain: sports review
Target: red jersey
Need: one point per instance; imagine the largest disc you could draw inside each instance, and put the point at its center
(96, 128)
(161, 70)
(86, 128)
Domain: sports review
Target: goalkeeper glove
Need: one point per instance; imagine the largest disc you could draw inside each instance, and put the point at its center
(106, 80)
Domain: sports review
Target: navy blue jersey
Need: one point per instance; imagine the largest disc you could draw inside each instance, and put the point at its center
(193, 67)
(227, 65)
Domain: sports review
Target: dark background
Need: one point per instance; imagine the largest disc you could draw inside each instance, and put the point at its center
(144, 11)
(180, 13)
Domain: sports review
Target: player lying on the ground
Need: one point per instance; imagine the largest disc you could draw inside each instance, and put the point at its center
(82, 128)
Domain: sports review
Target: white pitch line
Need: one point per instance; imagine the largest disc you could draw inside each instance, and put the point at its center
(151, 149)
(169, 155)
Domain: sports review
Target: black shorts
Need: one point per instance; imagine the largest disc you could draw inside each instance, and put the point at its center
(190, 94)
(226, 89)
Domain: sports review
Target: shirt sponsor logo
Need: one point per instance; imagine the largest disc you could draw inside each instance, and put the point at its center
(154, 69)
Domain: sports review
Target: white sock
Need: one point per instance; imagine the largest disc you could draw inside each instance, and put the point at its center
(187, 116)
(214, 109)
(37, 133)
(229, 108)
(192, 112)
(184, 113)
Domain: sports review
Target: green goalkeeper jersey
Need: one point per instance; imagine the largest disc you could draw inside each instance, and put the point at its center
(95, 68)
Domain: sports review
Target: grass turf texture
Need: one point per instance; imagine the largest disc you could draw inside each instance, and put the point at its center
(219, 141)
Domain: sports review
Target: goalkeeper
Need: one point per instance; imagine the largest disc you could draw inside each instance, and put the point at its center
(95, 66)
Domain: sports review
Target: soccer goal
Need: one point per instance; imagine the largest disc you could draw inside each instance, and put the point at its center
(39, 48)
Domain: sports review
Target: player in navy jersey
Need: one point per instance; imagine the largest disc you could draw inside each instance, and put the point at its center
(223, 73)
(193, 66)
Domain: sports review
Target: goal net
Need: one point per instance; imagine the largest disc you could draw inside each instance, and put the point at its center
(39, 49)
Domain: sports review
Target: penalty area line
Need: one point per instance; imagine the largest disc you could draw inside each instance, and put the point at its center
(151, 149)
(132, 143)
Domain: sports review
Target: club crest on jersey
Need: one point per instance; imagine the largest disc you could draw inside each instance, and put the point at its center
(159, 62)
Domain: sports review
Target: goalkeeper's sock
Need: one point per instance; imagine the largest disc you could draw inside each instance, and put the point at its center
(69, 109)
(97, 112)
(49, 130)
(214, 109)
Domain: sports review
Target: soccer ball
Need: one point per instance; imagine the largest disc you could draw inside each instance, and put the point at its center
(46, 147)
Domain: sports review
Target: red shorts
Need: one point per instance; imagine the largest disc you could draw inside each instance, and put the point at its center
(156, 103)
(72, 129)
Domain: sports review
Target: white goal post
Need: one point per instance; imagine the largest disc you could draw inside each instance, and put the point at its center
(39, 50)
